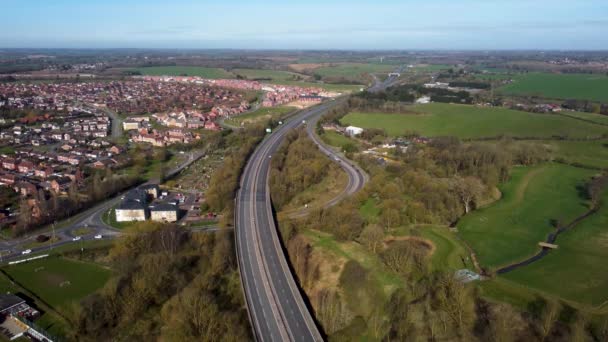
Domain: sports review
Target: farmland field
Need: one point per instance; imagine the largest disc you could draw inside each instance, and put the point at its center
(260, 115)
(438, 119)
(586, 153)
(560, 86)
(509, 230)
(266, 74)
(353, 70)
(185, 70)
(429, 67)
(345, 88)
(577, 269)
(59, 281)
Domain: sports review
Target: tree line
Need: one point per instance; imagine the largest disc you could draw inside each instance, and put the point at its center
(170, 285)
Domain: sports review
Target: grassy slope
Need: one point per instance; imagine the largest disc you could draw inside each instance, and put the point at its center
(580, 262)
(464, 121)
(319, 194)
(187, 70)
(561, 86)
(510, 230)
(337, 140)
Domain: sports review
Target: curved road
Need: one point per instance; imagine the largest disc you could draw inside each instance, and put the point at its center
(276, 307)
(275, 304)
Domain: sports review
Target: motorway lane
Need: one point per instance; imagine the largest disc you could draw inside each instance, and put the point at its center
(261, 258)
(259, 252)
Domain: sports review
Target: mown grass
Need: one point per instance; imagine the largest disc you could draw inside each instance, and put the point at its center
(214, 73)
(509, 230)
(560, 86)
(577, 269)
(464, 121)
(59, 281)
(336, 139)
(584, 153)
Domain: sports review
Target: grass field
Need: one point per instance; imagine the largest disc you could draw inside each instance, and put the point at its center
(596, 118)
(560, 86)
(343, 88)
(577, 270)
(429, 67)
(509, 230)
(276, 75)
(337, 140)
(464, 121)
(353, 70)
(59, 281)
(260, 115)
(185, 70)
(586, 153)
(449, 252)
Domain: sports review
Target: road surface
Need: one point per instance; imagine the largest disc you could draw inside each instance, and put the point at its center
(275, 304)
(90, 219)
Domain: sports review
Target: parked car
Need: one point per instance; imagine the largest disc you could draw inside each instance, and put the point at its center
(76, 238)
(98, 236)
(27, 251)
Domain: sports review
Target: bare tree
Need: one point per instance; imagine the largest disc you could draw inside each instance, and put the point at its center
(371, 237)
(548, 319)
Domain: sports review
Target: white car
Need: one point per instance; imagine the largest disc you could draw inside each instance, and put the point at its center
(76, 238)
(27, 251)
(98, 236)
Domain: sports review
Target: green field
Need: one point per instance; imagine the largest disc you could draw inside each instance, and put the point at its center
(509, 230)
(449, 252)
(344, 88)
(577, 269)
(337, 140)
(185, 70)
(260, 115)
(353, 70)
(429, 67)
(276, 75)
(596, 118)
(560, 86)
(464, 121)
(59, 281)
(586, 153)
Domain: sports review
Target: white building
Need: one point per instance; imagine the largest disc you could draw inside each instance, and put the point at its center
(164, 212)
(130, 125)
(353, 131)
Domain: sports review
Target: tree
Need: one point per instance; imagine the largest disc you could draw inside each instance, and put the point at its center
(469, 190)
(456, 301)
(332, 311)
(579, 328)
(398, 257)
(391, 216)
(371, 237)
(549, 317)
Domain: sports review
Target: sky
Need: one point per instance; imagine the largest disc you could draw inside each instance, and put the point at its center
(313, 24)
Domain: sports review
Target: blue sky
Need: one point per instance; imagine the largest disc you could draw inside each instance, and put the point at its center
(313, 24)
